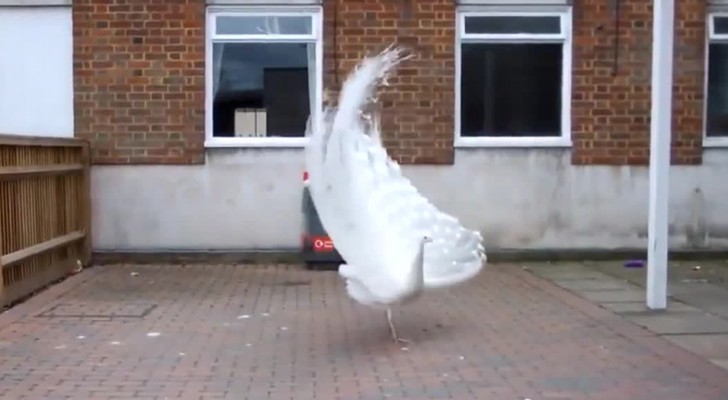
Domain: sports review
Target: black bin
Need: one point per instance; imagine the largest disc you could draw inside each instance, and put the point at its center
(317, 250)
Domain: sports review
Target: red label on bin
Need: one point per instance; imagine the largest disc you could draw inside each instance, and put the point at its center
(322, 243)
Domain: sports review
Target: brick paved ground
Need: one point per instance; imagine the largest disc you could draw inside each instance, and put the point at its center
(250, 332)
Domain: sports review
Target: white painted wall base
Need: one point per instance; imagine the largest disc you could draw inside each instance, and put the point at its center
(518, 198)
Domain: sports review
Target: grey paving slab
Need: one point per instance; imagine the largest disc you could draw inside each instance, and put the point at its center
(713, 346)
(681, 322)
(614, 296)
(635, 307)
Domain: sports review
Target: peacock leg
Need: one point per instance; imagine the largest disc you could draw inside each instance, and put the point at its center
(392, 329)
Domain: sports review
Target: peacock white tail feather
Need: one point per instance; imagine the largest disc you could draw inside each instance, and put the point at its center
(375, 217)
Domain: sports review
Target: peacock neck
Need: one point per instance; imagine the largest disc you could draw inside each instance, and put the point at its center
(417, 273)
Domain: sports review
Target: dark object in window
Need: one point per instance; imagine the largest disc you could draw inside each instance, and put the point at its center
(286, 100)
(512, 25)
(511, 89)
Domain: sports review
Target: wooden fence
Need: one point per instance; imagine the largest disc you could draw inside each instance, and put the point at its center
(45, 212)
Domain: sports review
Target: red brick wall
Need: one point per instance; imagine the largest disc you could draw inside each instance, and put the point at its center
(422, 89)
(139, 79)
(611, 114)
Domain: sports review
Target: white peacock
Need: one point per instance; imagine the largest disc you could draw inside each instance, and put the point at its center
(394, 241)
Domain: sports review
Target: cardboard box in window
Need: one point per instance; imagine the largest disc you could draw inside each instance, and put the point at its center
(250, 122)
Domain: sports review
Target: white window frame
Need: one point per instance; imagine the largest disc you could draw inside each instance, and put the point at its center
(711, 37)
(316, 14)
(565, 37)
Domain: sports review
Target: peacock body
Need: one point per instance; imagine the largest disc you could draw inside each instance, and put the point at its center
(394, 241)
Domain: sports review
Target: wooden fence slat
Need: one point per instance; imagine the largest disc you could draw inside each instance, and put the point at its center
(40, 141)
(25, 232)
(86, 205)
(2, 278)
(7, 173)
(36, 249)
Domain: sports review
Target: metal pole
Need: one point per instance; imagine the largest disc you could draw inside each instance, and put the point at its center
(660, 137)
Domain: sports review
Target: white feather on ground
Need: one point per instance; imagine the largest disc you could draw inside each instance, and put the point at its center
(375, 217)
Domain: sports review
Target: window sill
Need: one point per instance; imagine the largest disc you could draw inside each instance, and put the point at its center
(269, 142)
(715, 142)
(256, 142)
(463, 142)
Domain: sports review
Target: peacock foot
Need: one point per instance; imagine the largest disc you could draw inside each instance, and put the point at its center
(393, 330)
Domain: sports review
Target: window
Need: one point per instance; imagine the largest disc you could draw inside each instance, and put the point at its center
(263, 75)
(716, 118)
(514, 78)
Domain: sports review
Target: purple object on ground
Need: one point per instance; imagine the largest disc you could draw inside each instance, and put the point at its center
(634, 264)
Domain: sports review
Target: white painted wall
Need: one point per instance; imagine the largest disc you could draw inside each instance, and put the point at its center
(36, 71)
(251, 199)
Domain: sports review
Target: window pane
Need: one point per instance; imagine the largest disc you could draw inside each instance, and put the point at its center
(259, 25)
(511, 25)
(262, 89)
(511, 89)
(720, 25)
(717, 118)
